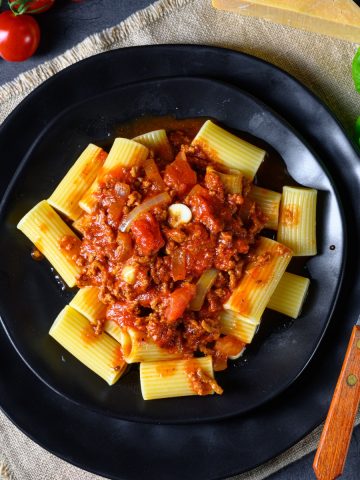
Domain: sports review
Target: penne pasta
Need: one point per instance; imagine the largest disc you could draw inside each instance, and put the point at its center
(87, 303)
(158, 142)
(77, 181)
(124, 153)
(43, 226)
(297, 224)
(138, 348)
(269, 202)
(259, 280)
(229, 150)
(173, 378)
(231, 323)
(289, 296)
(101, 353)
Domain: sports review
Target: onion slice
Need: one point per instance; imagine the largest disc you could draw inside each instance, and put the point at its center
(203, 285)
(142, 208)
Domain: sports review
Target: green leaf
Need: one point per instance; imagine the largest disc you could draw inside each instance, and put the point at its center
(356, 70)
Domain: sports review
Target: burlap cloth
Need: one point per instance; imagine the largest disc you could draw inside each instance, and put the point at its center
(322, 63)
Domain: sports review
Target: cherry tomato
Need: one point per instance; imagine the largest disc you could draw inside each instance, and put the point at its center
(31, 6)
(19, 36)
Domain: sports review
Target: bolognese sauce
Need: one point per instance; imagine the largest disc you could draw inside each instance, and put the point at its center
(147, 264)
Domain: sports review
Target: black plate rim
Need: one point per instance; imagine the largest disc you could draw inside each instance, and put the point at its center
(188, 46)
(350, 150)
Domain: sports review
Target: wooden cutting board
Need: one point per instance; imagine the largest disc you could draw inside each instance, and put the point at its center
(338, 18)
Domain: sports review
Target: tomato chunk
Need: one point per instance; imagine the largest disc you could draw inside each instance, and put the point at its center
(206, 209)
(147, 234)
(178, 301)
(179, 176)
(225, 347)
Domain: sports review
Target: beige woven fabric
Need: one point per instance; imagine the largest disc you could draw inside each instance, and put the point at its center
(322, 63)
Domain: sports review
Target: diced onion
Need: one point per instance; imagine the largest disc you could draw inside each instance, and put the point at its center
(142, 208)
(179, 214)
(203, 285)
(128, 274)
(233, 182)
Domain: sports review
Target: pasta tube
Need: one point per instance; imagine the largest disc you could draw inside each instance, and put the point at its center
(260, 279)
(87, 303)
(101, 353)
(289, 296)
(123, 153)
(43, 226)
(269, 202)
(114, 330)
(158, 142)
(176, 378)
(229, 150)
(297, 225)
(77, 181)
(138, 348)
(231, 323)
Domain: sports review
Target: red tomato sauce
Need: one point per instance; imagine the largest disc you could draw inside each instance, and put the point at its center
(163, 263)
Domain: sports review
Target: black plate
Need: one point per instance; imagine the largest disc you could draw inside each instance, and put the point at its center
(207, 451)
(251, 380)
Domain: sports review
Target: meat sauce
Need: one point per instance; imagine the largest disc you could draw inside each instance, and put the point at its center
(147, 275)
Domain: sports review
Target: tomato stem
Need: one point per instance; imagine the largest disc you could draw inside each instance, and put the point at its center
(19, 7)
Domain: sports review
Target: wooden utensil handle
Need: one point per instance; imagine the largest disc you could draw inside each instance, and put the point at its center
(335, 438)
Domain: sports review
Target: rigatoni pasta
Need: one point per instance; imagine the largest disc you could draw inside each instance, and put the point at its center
(87, 302)
(45, 228)
(173, 269)
(177, 378)
(297, 225)
(124, 153)
(231, 323)
(269, 202)
(229, 150)
(138, 348)
(289, 296)
(100, 353)
(158, 142)
(259, 280)
(77, 181)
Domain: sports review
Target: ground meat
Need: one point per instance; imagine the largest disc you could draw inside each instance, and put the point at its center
(147, 274)
(214, 185)
(201, 383)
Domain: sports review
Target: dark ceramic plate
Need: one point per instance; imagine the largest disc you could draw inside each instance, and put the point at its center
(250, 381)
(209, 450)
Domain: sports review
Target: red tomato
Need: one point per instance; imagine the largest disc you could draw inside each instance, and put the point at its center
(19, 36)
(179, 176)
(146, 231)
(32, 6)
(178, 301)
